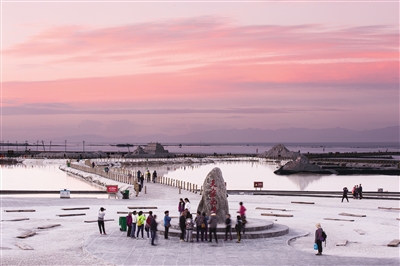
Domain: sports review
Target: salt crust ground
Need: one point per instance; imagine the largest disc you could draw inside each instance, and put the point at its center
(64, 245)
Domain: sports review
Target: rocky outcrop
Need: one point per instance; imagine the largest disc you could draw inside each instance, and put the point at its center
(214, 196)
(279, 152)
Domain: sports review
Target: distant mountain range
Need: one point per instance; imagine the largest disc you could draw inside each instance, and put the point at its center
(253, 135)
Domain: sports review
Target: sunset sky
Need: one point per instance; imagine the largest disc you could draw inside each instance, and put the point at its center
(137, 68)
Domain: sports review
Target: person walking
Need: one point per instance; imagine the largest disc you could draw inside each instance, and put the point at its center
(182, 225)
(200, 226)
(134, 223)
(100, 220)
(228, 227)
(238, 228)
(167, 224)
(344, 196)
(129, 224)
(213, 226)
(242, 212)
(138, 174)
(153, 229)
(181, 206)
(140, 224)
(318, 238)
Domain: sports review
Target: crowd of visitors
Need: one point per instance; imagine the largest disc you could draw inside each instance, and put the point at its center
(204, 227)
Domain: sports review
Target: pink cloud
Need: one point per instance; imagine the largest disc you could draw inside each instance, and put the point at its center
(202, 63)
(204, 40)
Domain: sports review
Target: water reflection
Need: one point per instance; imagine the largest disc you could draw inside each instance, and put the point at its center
(39, 177)
(238, 175)
(303, 181)
(242, 175)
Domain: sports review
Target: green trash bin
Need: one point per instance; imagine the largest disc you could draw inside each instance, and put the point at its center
(125, 195)
(122, 223)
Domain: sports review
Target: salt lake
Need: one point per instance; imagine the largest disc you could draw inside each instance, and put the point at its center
(238, 175)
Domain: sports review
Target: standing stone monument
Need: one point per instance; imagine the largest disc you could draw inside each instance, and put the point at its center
(214, 195)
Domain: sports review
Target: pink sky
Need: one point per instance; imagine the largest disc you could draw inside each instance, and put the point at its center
(116, 69)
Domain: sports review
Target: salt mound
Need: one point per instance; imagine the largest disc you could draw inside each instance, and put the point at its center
(279, 152)
(301, 164)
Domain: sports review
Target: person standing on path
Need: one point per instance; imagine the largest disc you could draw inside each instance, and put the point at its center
(141, 178)
(238, 228)
(205, 218)
(136, 188)
(242, 212)
(355, 192)
(129, 224)
(153, 229)
(345, 191)
(182, 225)
(100, 220)
(148, 223)
(213, 226)
(167, 224)
(189, 228)
(360, 191)
(134, 222)
(228, 227)
(140, 224)
(181, 206)
(154, 176)
(318, 238)
(148, 176)
(187, 205)
(200, 226)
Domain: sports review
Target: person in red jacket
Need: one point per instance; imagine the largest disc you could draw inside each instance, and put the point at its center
(242, 212)
(148, 223)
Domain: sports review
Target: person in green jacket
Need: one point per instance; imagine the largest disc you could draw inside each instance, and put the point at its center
(140, 223)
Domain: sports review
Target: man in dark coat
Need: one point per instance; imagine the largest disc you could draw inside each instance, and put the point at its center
(182, 225)
(213, 226)
(345, 191)
(153, 229)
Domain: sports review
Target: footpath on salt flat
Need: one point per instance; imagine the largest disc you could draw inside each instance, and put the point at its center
(78, 243)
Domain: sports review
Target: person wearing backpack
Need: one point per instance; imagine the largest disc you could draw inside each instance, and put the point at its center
(319, 238)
